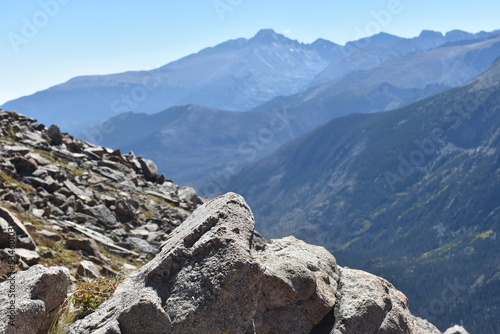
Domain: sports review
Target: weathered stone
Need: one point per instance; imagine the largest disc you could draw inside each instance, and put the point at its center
(22, 150)
(109, 200)
(38, 158)
(370, 304)
(39, 292)
(28, 256)
(21, 198)
(205, 280)
(87, 269)
(189, 194)
(55, 135)
(104, 215)
(11, 226)
(79, 193)
(24, 167)
(49, 235)
(149, 168)
(141, 245)
(456, 330)
(88, 245)
(74, 145)
(48, 184)
(298, 288)
(124, 208)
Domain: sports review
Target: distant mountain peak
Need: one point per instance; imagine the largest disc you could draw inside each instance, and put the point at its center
(267, 35)
(323, 42)
(384, 37)
(430, 34)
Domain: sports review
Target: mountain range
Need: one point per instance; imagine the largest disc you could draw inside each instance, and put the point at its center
(410, 194)
(235, 75)
(203, 147)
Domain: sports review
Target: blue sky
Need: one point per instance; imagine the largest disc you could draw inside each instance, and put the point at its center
(46, 42)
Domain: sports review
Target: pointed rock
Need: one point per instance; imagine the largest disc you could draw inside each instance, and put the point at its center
(205, 280)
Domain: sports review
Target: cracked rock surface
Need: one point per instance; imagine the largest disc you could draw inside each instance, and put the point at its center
(208, 278)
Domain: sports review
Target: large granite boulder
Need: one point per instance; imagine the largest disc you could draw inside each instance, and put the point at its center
(29, 300)
(298, 289)
(210, 278)
(370, 304)
(204, 280)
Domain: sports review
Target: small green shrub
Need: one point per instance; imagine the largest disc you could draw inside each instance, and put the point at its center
(89, 294)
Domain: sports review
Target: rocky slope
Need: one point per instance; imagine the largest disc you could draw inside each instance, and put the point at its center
(409, 194)
(70, 194)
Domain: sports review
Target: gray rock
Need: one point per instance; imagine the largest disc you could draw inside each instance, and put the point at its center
(205, 280)
(149, 168)
(124, 208)
(85, 244)
(87, 269)
(189, 194)
(9, 222)
(141, 245)
(39, 292)
(49, 235)
(24, 167)
(298, 289)
(48, 183)
(79, 193)
(38, 158)
(55, 135)
(456, 330)
(208, 278)
(15, 149)
(370, 304)
(27, 256)
(104, 215)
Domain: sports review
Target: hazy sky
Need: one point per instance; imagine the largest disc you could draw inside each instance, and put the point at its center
(46, 42)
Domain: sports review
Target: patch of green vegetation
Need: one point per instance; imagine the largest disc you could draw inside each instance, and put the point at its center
(7, 139)
(347, 244)
(10, 132)
(62, 256)
(441, 251)
(89, 294)
(63, 319)
(13, 182)
(484, 235)
(76, 170)
(48, 156)
(149, 214)
(366, 224)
